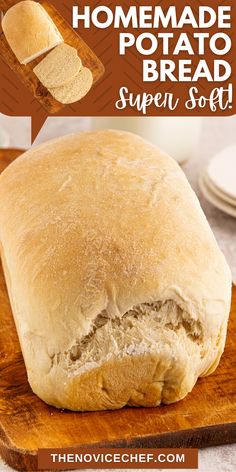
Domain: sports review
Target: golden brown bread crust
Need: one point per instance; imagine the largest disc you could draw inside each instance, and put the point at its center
(105, 223)
(29, 30)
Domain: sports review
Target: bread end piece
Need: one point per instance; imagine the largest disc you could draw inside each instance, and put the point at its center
(119, 290)
(151, 355)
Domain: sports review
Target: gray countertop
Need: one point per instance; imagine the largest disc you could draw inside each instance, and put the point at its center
(216, 134)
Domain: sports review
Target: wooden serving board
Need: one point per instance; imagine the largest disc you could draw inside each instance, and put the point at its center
(25, 72)
(206, 417)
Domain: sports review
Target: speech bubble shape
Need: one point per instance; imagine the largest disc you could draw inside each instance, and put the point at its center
(21, 94)
(37, 122)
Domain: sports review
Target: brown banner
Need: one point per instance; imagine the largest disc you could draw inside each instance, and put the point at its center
(127, 70)
(101, 458)
(190, 76)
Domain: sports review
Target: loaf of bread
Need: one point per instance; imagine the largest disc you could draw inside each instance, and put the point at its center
(29, 31)
(59, 67)
(119, 291)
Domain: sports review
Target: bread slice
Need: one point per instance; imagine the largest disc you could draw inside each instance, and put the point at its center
(75, 89)
(30, 31)
(59, 67)
(119, 291)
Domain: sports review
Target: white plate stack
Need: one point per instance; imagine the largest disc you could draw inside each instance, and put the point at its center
(218, 181)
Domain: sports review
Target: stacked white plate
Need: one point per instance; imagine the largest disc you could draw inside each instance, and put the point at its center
(218, 181)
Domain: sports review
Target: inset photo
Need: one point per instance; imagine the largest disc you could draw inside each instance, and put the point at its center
(48, 57)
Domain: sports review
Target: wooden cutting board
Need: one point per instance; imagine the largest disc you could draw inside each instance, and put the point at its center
(25, 72)
(207, 417)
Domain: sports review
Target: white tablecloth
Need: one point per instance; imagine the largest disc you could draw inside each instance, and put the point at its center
(216, 134)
